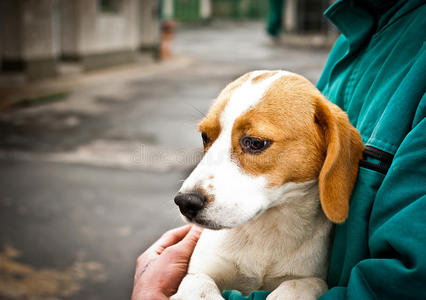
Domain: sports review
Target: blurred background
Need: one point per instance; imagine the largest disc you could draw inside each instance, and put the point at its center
(99, 102)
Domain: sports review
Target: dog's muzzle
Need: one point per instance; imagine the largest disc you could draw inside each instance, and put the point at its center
(190, 203)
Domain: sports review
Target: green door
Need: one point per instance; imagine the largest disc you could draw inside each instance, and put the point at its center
(240, 9)
(187, 10)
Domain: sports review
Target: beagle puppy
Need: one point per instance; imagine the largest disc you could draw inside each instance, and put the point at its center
(279, 165)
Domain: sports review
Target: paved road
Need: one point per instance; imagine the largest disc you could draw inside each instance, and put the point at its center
(87, 183)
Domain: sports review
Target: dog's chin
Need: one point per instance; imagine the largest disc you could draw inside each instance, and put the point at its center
(216, 226)
(206, 223)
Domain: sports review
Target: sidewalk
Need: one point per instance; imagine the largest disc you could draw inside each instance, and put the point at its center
(14, 89)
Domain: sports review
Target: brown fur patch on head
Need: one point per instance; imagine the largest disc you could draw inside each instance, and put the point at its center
(284, 116)
(262, 77)
(211, 123)
(311, 138)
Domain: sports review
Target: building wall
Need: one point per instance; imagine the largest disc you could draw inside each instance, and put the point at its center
(27, 29)
(11, 39)
(81, 30)
(38, 34)
(149, 27)
(94, 31)
(70, 27)
(101, 38)
(29, 38)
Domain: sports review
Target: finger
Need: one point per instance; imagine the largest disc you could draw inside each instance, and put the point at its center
(170, 238)
(188, 243)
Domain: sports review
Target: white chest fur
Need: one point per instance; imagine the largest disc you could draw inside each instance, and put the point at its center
(287, 241)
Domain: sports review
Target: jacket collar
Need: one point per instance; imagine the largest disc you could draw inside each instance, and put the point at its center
(357, 20)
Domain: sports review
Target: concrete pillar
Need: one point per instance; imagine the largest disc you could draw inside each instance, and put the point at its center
(290, 16)
(29, 35)
(78, 19)
(205, 9)
(168, 9)
(149, 31)
(100, 38)
(71, 17)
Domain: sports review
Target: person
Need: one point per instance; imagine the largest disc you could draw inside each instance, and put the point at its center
(274, 22)
(376, 72)
(161, 268)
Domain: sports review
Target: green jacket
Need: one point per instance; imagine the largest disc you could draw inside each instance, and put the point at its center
(376, 72)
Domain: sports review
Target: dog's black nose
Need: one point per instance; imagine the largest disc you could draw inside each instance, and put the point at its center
(190, 203)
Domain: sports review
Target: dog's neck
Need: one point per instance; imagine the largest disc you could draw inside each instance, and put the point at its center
(295, 218)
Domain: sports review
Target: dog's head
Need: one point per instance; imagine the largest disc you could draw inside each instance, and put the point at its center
(267, 136)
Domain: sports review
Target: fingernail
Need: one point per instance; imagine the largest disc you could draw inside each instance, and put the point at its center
(196, 229)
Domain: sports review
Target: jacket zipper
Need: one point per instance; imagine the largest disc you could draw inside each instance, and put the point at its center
(385, 159)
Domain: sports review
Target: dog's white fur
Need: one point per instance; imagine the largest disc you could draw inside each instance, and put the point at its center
(272, 238)
(231, 183)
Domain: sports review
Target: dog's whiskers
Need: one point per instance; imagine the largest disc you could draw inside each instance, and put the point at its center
(196, 109)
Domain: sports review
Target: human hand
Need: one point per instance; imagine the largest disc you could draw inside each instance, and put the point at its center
(161, 268)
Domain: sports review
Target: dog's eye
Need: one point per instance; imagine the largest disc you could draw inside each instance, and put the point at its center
(206, 139)
(253, 145)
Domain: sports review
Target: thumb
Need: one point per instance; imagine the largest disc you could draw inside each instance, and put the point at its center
(188, 243)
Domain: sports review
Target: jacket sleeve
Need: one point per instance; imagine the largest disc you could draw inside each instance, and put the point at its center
(235, 295)
(397, 229)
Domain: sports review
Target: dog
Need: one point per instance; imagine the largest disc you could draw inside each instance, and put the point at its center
(280, 162)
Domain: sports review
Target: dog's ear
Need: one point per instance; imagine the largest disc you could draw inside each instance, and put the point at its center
(343, 152)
